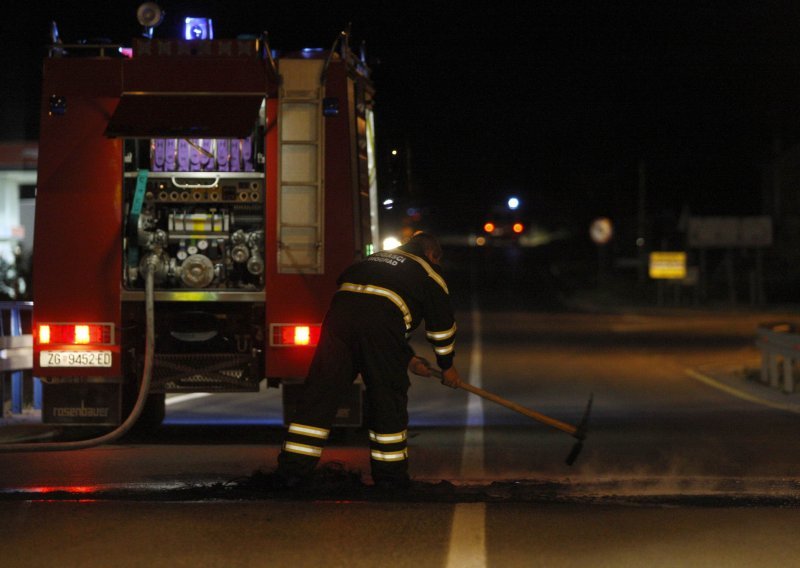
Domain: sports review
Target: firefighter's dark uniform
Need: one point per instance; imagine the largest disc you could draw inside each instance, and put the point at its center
(379, 302)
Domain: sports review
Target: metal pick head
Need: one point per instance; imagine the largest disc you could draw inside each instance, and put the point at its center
(573, 455)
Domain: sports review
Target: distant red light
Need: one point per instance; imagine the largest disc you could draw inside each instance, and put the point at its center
(518, 228)
(489, 227)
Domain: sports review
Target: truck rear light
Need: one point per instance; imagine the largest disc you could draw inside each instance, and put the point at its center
(291, 335)
(82, 336)
(76, 334)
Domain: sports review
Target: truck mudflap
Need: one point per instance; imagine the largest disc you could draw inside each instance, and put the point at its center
(83, 402)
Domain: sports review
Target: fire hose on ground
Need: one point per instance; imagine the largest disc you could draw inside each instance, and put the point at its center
(144, 387)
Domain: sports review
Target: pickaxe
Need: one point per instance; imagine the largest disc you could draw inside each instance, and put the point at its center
(578, 432)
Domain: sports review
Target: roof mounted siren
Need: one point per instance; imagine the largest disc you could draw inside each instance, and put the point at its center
(149, 15)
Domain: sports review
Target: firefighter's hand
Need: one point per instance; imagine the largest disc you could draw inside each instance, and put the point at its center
(419, 366)
(451, 378)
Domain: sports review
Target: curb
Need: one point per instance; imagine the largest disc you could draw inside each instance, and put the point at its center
(734, 379)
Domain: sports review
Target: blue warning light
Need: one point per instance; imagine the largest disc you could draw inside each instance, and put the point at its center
(198, 28)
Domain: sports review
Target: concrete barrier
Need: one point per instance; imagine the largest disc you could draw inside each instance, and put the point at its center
(779, 343)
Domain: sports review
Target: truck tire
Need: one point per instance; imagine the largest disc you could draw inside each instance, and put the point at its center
(152, 414)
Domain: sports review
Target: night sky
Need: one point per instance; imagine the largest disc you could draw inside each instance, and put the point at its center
(559, 102)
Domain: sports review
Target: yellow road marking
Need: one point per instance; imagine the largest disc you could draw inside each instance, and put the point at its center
(468, 537)
(739, 393)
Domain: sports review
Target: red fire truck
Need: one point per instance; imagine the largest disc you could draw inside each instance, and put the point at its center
(238, 180)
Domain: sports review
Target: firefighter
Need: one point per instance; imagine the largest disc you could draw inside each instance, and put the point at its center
(380, 300)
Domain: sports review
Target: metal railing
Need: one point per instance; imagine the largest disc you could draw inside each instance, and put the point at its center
(779, 344)
(16, 361)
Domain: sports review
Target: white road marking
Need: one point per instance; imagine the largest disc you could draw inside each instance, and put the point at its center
(468, 533)
(184, 397)
(472, 456)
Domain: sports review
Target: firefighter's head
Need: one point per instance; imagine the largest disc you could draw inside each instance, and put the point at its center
(425, 245)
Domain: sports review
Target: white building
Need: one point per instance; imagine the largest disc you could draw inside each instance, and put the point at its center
(17, 196)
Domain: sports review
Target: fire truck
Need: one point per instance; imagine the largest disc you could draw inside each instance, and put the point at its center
(199, 196)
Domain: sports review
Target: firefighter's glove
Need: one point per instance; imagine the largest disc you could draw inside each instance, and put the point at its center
(451, 378)
(419, 366)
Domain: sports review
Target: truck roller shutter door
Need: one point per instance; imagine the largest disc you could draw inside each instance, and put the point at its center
(167, 115)
(301, 184)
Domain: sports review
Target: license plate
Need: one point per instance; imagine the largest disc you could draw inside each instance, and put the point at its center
(75, 358)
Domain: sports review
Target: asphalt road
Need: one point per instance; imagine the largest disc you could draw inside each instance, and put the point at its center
(688, 460)
(347, 534)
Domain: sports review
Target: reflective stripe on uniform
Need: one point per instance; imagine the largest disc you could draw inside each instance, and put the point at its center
(378, 291)
(441, 335)
(388, 438)
(389, 456)
(312, 431)
(422, 262)
(303, 449)
(446, 350)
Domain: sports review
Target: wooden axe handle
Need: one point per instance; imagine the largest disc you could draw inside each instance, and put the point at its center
(538, 416)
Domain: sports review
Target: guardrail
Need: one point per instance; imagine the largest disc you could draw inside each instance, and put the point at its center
(16, 361)
(779, 344)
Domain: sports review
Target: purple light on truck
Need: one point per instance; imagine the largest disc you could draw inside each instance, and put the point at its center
(198, 28)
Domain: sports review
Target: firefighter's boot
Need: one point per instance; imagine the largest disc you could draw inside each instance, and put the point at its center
(389, 459)
(300, 454)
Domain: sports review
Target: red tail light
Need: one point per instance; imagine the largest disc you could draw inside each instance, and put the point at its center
(292, 335)
(518, 228)
(75, 334)
(488, 227)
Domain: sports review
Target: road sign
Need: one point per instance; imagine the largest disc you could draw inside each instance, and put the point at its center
(668, 265)
(601, 230)
(755, 231)
(729, 232)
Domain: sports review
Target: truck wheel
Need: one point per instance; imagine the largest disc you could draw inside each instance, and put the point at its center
(152, 414)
